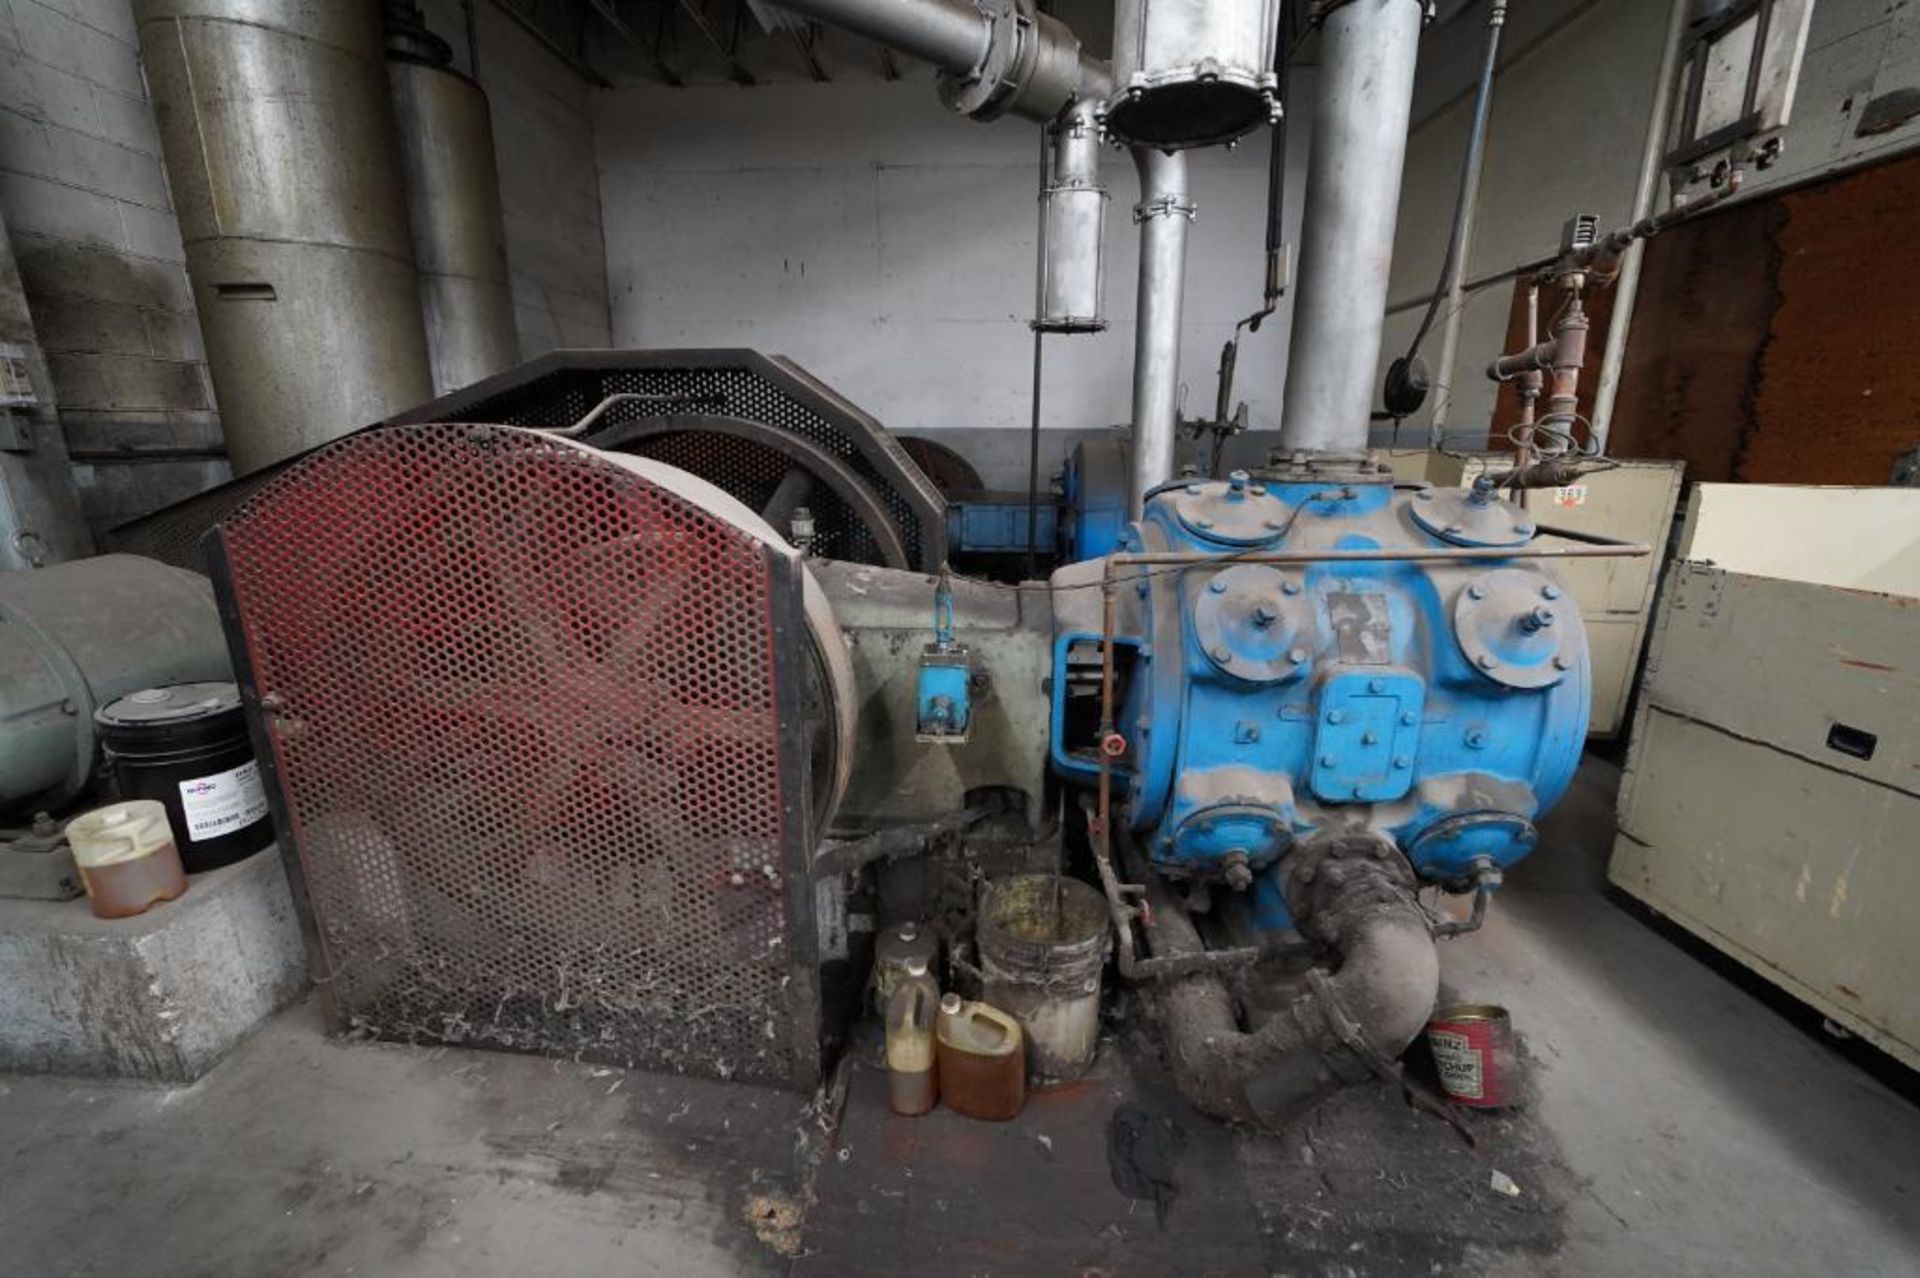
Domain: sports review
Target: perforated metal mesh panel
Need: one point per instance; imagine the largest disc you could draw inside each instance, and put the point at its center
(560, 388)
(531, 721)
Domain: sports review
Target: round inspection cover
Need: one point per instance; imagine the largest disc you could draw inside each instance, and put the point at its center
(1454, 514)
(1251, 620)
(1513, 626)
(1242, 514)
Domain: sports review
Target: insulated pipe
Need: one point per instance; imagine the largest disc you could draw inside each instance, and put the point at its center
(1362, 101)
(1163, 213)
(1337, 1033)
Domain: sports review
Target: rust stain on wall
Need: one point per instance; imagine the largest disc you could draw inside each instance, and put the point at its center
(1774, 342)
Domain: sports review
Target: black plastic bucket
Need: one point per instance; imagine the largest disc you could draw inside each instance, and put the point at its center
(186, 746)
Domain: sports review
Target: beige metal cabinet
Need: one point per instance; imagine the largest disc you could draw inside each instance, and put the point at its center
(1771, 802)
(1634, 502)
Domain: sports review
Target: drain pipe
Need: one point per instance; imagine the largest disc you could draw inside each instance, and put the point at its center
(1362, 101)
(1346, 1027)
(1164, 211)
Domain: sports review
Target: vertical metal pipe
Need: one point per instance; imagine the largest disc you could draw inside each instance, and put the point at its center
(1362, 101)
(1465, 211)
(459, 229)
(1163, 213)
(277, 127)
(1073, 225)
(1619, 324)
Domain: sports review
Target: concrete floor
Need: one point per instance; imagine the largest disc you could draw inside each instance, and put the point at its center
(1690, 1128)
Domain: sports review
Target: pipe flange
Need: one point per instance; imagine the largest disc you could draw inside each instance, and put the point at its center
(1471, 517)
(989, 90)
(1252, 621)
(1516, 628)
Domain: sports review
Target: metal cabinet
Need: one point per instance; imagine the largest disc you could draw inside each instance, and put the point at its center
(1772, 787)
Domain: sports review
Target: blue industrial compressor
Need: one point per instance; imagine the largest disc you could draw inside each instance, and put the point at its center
(1324, 649)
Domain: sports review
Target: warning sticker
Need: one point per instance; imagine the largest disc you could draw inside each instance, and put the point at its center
(224, 802)
(1459, 1064)
(1570, 495)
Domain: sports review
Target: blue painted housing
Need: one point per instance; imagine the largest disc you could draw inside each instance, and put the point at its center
(1443, 705)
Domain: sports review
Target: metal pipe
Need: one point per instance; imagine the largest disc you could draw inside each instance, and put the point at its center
(1163, 213)
(953, 37)
(1653, 150)
(277, 127)
(1594, 548)
(1362, 102)
(1465, 210)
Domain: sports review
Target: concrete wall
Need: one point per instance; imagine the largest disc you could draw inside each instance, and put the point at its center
(85, 197)
(549, 188)
(888, 246)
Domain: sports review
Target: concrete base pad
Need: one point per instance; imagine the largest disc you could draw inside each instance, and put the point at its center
(162, 995)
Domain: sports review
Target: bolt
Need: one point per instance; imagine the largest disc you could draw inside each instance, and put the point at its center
(1561, 663)
(1550, 591)
(1425, 494)
(1264, 615)
(1376, 685)
(1359, 792)
(1298, 656)
(1237, 480)
(1223, 655)
(1289, 587)
(1476, 591)
(1328, 760)
(1488, 661)
(1203, 523)
(1273, 525)
(1141, 590)
(1218, 585)
(1236, 871)
(1477, 740)
(1193, 490)
(1408, 719)
(1336, 716)
(1525, 530)
(1402, 762)
(1369, 738)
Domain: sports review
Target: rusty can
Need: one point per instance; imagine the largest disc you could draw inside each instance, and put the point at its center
(1472, 1047)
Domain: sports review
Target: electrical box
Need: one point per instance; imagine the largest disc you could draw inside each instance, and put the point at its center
(1773, 783)
(1633, 502)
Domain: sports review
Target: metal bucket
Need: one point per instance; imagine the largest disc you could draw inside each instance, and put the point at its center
(1473, 1049)
(1043, 942)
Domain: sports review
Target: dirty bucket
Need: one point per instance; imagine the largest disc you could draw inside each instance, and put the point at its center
(1472, 1047)
(1043, 941)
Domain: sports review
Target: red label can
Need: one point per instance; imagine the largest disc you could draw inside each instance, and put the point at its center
(1472, 1047)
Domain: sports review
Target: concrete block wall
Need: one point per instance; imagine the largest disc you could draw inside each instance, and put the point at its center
(549, 183)
(888, 245)
(84, 195)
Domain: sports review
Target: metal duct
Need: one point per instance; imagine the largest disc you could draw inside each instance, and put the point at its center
(277, 127)
(1362, 99)
(459, 232)
(1163, 213)
(1192, 72)
(1073, 228)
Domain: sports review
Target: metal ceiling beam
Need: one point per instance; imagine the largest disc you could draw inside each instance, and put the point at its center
(804, 35)
(551, 43)
(609, 13)
(698, 17)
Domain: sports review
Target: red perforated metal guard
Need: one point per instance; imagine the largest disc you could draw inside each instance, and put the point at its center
(531, 720)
